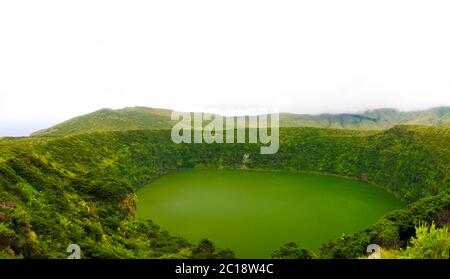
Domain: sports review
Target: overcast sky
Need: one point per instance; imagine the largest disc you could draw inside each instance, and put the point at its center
(59, 59)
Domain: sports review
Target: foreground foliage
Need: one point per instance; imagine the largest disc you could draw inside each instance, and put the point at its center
(429, 242)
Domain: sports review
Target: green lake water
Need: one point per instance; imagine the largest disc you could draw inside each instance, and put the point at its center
(255, 212)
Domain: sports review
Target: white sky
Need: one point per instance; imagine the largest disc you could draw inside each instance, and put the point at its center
(61, 58)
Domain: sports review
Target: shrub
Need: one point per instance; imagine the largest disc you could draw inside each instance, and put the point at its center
(429, 243)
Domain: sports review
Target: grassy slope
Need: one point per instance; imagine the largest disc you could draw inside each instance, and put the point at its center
(55, 191)
(141, 118)
(137, 118)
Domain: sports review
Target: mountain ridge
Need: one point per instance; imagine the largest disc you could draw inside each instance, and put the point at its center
(148, 118)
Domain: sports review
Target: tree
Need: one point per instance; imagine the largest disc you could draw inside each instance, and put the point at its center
(204, 250)
(291, 251)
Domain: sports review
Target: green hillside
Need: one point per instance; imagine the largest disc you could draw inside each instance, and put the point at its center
(136, 118)
(81, 189)
(141, 118)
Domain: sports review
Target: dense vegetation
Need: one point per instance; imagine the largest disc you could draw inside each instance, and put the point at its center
(429, 242)
(394, 231)
(80, 189)
(140, 118)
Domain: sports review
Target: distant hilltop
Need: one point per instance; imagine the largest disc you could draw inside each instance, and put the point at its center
(144, 118)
